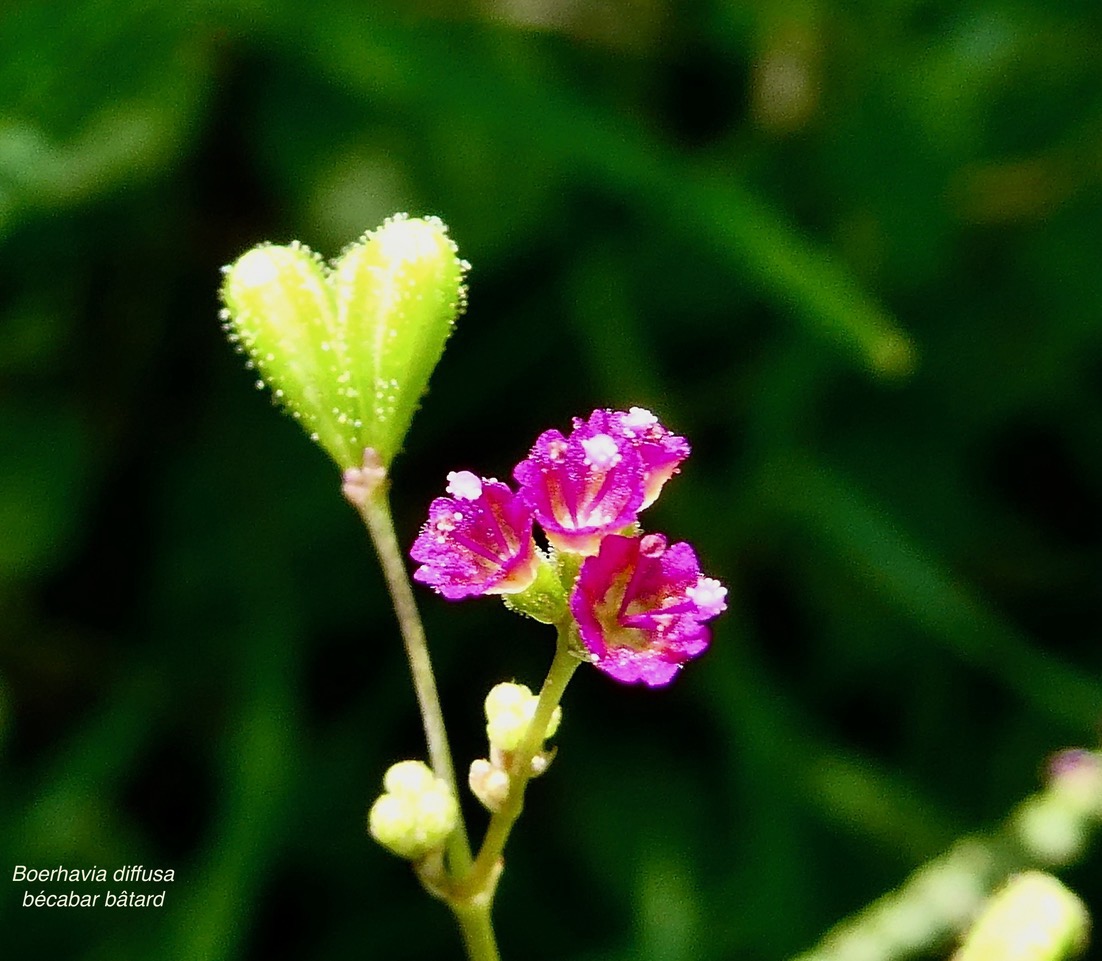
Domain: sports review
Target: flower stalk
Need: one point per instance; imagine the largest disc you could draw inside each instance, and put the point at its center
(477, 929)
(375, 511)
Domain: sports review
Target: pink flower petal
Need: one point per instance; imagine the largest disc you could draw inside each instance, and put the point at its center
(477, 542)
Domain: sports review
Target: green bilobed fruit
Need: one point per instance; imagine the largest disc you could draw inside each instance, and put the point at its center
(349, 349)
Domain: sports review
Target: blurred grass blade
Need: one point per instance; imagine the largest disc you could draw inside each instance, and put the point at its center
(754, 238)
(916, 585)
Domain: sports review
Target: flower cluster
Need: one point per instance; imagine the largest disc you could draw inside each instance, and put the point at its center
(638, 603)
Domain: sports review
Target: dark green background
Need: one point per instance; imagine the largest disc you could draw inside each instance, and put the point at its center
(851, 250)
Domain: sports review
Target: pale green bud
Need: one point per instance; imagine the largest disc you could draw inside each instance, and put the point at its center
(507, 696)
(348, 349)
(488, 783)
(392, 821)
(1033, 918)
(437, 815)
(416, 813)
(409, 777)
(510, 708)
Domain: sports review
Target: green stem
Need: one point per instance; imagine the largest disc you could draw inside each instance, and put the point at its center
(478, 931)
(483, 875)
(375, 511)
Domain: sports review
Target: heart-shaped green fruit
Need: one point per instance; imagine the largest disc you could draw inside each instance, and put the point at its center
(348, 348)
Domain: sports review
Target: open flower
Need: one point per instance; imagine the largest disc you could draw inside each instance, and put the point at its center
(478, 541)
(640, 607)
(584, 486)
(595, 481)
(660, 450)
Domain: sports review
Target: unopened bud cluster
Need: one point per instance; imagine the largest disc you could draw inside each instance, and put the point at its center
(510, 710)
(415, 814)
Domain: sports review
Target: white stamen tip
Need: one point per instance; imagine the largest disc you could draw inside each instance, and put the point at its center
(639, 417)
(601, 452)
(464, 485)
(709, 595)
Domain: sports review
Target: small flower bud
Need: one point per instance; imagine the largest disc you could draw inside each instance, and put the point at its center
(507, 696)
(392, 821)
(510, 708)
(488, 783)
(542, 761)
(409, 778)
(416, 813)
(348, 349)
(1033, 918)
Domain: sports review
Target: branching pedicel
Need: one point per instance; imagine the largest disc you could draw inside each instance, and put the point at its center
(348, 348)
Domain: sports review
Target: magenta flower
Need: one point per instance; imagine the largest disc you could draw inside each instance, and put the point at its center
(478, 541)
(640, 607)
(661, 451)
(594, 482)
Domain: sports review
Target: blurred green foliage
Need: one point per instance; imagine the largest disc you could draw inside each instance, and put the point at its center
(850, 250)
